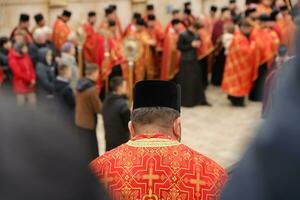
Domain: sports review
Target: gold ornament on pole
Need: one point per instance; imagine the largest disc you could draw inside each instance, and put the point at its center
(132, 50)
(80, 34)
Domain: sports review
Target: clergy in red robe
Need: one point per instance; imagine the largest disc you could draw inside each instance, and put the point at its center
(132, 26)
(157, 34)
(24, 28)
(210, 19)
(90, 44)
(205, 53)
(171, 55)
(175, 15)
(144, 66)
(239, 67)
(153, 164)
(61, 29)
(267, 43)
(109, 16)
(111, 60)
(116, 18)
(188, 17)
(150, 11)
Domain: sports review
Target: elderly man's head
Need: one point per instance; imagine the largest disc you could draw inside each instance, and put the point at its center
(156, 109)
(40, 36)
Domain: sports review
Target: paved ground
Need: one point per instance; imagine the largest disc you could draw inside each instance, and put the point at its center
(220, 132)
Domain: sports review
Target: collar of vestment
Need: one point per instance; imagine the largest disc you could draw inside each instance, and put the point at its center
(152, 140)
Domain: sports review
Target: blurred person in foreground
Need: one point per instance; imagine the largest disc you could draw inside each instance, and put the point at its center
(153, 164)
(116, 114)
(269, 170)
(35, 164)
(88, 105)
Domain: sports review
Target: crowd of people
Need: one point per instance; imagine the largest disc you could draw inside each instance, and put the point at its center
(241, 52)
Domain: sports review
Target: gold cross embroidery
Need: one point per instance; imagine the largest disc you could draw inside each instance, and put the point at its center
(150, 177)
(198, 182)
(106, 179)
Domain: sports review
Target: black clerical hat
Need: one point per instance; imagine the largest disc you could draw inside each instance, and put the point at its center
(151, 17)
(150, 7)
(140, 22)
(249, 11)
(214, 8)
(38, 17)
(108, 11)
(186, 4)
(224, 9)
(232, 1)
(274, 15)
(92, 14)
(137, 15)
(175, 22)
(66, 13)
(24, 17)
(187, 11)
(283, 8)
(111, 23)
(113, 7)
(264, 18)
(155, 93)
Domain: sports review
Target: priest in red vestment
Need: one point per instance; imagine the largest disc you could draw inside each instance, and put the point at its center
(176, 14)
(150, 11)
(114, 8)
(61, 30)
(239, 67)
(171, 55)
(23, 27)
(91, 37)
(131, 27)
(153, 164)
(210, 19)
(110, 16)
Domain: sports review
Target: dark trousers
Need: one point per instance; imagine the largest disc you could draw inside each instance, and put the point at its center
(237, 101)
(89, 139)
(204, 71)
(257, 91)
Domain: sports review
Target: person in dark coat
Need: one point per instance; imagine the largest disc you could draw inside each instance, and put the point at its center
(45, 74)
(40, 159)
(63, 94)
(88, 106)
(270, 168)
(39, 41)
(189, 76)
(5, 46)
(116, 114)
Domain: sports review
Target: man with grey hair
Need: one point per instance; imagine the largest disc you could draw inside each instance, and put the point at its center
(39, 41)
(153, 164)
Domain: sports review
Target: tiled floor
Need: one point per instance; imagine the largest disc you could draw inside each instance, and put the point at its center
(220, 132)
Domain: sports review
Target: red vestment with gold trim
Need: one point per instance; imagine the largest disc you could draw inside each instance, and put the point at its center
(157, 167)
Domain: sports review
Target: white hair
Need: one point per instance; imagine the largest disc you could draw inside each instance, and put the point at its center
(47, 30)
(38, 33)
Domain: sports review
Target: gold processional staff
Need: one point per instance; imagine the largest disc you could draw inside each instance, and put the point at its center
(132, 50)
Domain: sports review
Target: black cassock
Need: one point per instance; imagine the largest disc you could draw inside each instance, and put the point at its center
(189, 76)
